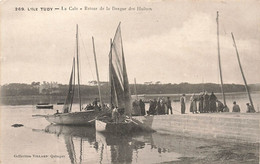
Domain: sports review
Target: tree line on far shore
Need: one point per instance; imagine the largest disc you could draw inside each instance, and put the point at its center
(18, 89)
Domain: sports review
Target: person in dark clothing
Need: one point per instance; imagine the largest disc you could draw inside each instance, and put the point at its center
(136, 111)
(206, 103)
(236, 107)
(220, 107)
(151, 107)
(159, 107)
(169, 105)
(212, 102)
(250, 109)
(142, 106)
(95, 103)
(156, 106)
(112, 106)
(163, 106)
(182, 101)
(201, 100)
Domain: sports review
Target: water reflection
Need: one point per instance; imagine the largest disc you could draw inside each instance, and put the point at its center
(81, 141)
(71, 133)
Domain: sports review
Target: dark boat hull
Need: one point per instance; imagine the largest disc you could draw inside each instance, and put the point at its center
(43, 106)
(74, 118)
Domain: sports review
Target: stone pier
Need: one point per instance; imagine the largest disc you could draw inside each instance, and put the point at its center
(238, 127)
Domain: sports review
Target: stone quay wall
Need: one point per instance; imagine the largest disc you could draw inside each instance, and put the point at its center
(241, 127)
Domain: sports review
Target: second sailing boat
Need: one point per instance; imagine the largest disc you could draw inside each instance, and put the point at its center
(68, 117)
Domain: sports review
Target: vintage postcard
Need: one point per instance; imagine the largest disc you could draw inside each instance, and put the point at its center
(151, 81)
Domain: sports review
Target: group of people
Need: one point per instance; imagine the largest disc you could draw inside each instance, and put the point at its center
(209, 104)
(138, 108)
(206, 103)
(156, 107)
(96, 106)
(201, 103)
(160, 106)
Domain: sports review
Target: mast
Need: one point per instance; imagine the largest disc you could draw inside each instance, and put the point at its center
(80, 156)
(73, 82)
(77, 52)
(110, 74)
(219, 63)
(242, 73)
(136, 90)
(99, 91)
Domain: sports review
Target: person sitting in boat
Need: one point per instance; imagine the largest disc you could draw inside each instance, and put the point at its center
(95, 103)
(99, 107)
(121, 115)
(105, 107)
(89, 107)
(112, 106)
(115, 114)
(236, 107)
(250, 109)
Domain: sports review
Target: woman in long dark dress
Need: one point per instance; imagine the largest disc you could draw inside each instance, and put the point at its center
(212, 102)
(182, 101)
(201, 99)
(205, 103)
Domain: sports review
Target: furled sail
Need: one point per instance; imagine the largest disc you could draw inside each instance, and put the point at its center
(69, 100)
(120, 92)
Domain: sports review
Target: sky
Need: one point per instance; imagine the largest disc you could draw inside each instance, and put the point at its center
(174, 42)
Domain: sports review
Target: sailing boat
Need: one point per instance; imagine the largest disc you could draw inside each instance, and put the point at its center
(67, 117)
(120, 92)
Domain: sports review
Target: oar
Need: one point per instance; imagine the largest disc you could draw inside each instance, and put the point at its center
(134, 122)
(92, 120)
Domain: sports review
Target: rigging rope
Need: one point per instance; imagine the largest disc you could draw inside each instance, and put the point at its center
(87, 56)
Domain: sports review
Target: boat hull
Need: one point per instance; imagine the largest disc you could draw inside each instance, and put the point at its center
(115, 128)
(75, 118)
(44, 106)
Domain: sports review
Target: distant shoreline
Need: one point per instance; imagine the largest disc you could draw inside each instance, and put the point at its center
(54, 99)
(32, 94)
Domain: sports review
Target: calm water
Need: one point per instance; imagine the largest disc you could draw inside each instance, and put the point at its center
(39, 142)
